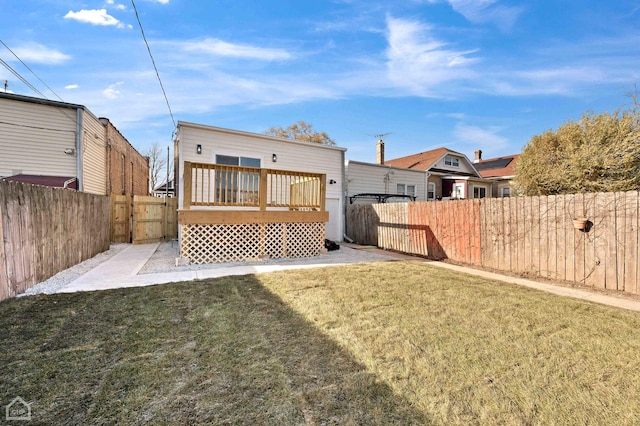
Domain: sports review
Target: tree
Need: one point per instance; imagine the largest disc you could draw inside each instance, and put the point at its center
(301, 131)
(598, 153)
(157, 165)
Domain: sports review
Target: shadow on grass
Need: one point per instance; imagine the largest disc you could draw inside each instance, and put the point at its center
(223, 351)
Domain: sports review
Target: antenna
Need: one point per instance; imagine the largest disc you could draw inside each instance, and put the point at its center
(381, 135)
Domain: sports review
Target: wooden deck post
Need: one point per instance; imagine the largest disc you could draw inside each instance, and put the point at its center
(263, 189)
(186, 195)
(323, 192)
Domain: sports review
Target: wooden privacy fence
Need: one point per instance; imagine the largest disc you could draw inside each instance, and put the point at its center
(45, 230)
(527, 235)
(142, 220)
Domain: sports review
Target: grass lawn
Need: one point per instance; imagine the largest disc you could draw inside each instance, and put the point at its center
(382, 343)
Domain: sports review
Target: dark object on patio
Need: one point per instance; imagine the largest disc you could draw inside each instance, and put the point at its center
(380, 198)
(330, 245)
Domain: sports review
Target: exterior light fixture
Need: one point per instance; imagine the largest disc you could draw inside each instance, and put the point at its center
(69, 151)
(199, 149)
(274, 157)
(331, 182)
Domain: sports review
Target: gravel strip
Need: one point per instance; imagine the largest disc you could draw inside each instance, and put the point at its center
(63, 278)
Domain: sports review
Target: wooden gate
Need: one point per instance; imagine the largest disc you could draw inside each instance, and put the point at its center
(145, 220)
(120, 218)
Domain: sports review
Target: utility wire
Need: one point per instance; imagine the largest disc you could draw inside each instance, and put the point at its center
(27, 67)
(24, 80)
(153, 62)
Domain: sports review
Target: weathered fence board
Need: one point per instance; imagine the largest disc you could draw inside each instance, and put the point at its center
(631, 243)
(46, 230)
(531, 235)
(362, 224)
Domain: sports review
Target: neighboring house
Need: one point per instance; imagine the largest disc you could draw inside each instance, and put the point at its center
(60, 144)
(500, 170)
(127, 169)
(243, 195)
(376, 182)
(450, 174)
(163, 191)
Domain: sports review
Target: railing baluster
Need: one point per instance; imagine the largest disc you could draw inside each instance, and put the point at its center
(224, 185)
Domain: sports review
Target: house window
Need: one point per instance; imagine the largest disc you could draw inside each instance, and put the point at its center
(451, 161)
(505, 192)
(405, 189)
(234, 186)
(122, 177)
(479, 192)
(431, 191)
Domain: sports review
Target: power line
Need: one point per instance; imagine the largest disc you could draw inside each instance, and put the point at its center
(153, 62)
(24, 80)
(32, 72)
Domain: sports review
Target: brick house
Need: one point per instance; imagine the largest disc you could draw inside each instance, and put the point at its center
(127, 169)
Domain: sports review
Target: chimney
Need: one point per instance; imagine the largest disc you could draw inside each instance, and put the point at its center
(478, 154)
(380, 152)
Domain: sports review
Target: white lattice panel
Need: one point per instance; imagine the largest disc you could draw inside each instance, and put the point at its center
(250, 241)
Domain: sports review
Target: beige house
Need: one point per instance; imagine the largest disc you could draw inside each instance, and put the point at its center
(61, 144)
(245, 195)
(500, 170)
(450, 174)
(372, 183)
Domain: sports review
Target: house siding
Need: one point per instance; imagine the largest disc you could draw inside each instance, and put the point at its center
(438, 181)
(376, 178)
(93, 155)
(464, 166)
(291, 155)
(33, 138)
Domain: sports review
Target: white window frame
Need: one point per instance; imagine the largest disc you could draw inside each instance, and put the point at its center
(451, 161)
(235, 193)
(431, 188)
(406, 189)
(477, 189)
(505, 192)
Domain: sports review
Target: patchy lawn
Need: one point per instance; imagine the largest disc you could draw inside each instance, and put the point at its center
(383, 343)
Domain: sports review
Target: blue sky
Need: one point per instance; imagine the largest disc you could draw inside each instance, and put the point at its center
(465, 74)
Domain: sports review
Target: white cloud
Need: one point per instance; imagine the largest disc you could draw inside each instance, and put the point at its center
(38, 53)
(162, 1)
(94, 17)
(488, 139)
(419, 62)
(71, 86)
(112, 92)
(483, 11)
(222, 48)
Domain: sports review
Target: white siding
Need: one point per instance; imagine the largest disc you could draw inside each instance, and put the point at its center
(463, 167)
(291, 155)
(376, 178)
(33, 138)
(94, 155)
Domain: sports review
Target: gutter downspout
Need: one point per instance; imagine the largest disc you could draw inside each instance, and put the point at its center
(79, 150)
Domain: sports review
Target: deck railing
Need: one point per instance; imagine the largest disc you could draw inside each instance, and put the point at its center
(236, 186)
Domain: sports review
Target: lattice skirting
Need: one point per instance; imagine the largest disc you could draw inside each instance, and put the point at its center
(251, 241)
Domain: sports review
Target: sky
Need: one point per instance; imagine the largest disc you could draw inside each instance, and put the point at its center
(463, 74)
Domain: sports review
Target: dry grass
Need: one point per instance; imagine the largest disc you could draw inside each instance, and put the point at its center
(225, 351)
(385, 343)
(465, 350)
